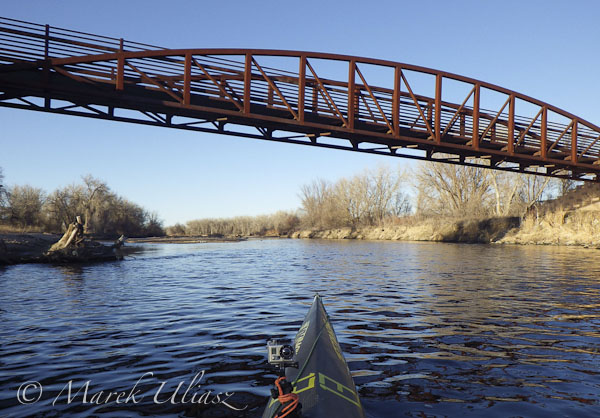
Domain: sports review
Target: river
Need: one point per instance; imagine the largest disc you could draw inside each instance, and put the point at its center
(428, 329)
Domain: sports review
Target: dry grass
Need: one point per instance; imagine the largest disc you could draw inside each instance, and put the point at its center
(10, 229)
(423, 229)
(560, 227)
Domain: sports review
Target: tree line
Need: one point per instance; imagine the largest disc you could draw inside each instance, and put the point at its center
(383, 195)
(375, 197)
(475, 192)
(368, 198)
(103, 212)
(280, 223)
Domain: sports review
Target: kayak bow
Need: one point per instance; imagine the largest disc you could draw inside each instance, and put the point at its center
(321, 379)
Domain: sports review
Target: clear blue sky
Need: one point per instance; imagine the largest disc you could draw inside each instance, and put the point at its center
(545, 49)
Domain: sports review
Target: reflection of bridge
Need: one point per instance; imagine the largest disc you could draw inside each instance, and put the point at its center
(326, 100)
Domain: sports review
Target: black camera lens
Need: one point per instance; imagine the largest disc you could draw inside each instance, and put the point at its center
(287, 352)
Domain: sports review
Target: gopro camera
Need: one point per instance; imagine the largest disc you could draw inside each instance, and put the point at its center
(280, 353)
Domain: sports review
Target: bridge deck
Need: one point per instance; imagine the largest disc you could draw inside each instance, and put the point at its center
(326, 100)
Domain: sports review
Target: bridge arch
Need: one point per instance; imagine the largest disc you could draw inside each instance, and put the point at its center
(411, 111)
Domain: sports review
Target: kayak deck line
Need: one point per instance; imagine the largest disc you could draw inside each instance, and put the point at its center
(320, 378)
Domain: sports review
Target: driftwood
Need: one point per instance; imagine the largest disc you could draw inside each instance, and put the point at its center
(86, 251)
(73, 236)
(34, 248)
(73, 247)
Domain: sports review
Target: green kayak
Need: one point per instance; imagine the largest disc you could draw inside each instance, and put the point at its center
(320, 378)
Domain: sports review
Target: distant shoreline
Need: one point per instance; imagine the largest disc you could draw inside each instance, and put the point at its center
(574, 230)
(184, 240)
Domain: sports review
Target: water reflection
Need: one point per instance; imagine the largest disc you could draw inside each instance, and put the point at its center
(427, 328)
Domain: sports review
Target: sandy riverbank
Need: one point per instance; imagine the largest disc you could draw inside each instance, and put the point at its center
(437, 230)
(570, 229)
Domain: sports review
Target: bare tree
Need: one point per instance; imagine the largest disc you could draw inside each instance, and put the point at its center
(353, 194)
(386, 196)
(532, 190)
(453, 190)
(279, 223)
(106, 213)
(63, 205)
(506, 187)
(321, 205)
(368, 198)
(153, 226)
(24, 205)
(177, 230)
(91, 197)
(563, 186)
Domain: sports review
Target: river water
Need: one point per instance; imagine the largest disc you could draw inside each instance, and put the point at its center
(428, 329)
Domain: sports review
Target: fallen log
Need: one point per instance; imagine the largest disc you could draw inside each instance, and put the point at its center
(86, 251)
(73, 247)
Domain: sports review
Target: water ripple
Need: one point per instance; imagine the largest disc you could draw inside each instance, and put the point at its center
(427, 329)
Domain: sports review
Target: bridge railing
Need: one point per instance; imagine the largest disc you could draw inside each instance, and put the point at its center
(25, 41)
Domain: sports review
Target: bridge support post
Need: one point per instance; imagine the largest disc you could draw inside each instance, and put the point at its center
(47, 43)
(247, 85)
(120, 66)
(396, 100)
(511, 125)
(301, 87)
(438, 108)
(351, 93)
(544, 131)
(574, 142)
(475, 141)
(187, 75)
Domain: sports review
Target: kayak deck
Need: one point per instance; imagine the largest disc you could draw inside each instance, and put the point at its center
(322, 379)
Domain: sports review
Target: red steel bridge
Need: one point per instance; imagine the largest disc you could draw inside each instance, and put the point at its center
(326, 100)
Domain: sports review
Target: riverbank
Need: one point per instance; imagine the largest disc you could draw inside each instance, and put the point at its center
(557, 228)
(579, 228)
(436, 230)
(29, 247)
(33, 247)
(575, 228)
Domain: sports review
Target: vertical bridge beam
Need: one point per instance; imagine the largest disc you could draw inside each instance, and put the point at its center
(544, 129)
(396, 100)
(120, 66)
(47, 43)
(476, 99)
(187, 78)
(351, 93)
(574, 142)
(247, 85)
(301, 87)
(438, 109)
(511, 125)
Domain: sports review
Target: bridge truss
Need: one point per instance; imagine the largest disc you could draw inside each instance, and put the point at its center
(326, 100)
